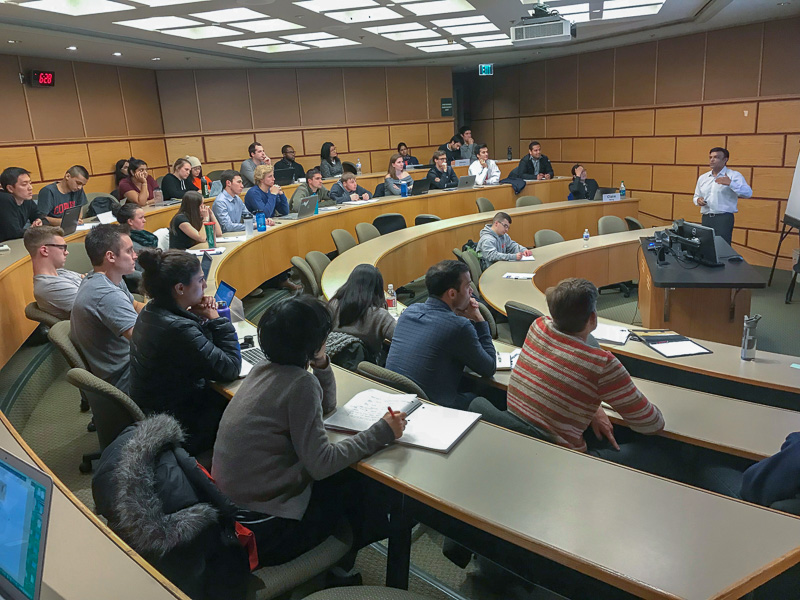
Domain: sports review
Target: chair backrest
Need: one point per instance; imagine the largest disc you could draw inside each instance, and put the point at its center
(520, 317)
(306, 276)
(77, 259)
(528, 201)
(158, 180)
(34, 313)
(484, 205)
(633, 223)
(366, 232)
(318, 263)
(214, 175)
(59, 336)
(474, 264)
(422, 219)
(390, 378)
(610, 224)
(389, 222)
(380, 191)
(100, 204)
(545, 237)
(343, 240)
(112, 410)
(489, 318)
(348, 167)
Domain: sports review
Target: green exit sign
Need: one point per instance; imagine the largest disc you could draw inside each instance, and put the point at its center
(486, 69)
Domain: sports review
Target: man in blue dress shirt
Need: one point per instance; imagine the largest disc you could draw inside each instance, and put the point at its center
(228, 207)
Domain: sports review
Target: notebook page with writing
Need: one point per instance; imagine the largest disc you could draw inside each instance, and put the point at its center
(366, 407)
(437, 427)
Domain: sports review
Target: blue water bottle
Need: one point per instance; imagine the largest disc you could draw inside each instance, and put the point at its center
(403, 189)
(261, 221)
(224, 310)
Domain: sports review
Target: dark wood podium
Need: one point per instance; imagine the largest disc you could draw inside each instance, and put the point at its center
(707, 303)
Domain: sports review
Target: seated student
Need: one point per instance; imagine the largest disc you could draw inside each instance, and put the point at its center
(272, 456)
(288, 162)
(359, 308)
(227, 206)
(58, 196)
(187, 226)
(120, 173)
(248, 168)
(177, 183)
(396, 175)
(535, 165)
(330, 165)
(435, 340)
(403, 151)
(469, 149)
(348, 189)
(484, 168)
(138, 186)
(105, 312)
(54, 287)
(582, 188)
(441, 175)
(179, 345)
(196, 174)
(495, 244)
(560, 380)
(313, 185)
(452, 149)
(266, 196)
(17, 208)
(132, 216)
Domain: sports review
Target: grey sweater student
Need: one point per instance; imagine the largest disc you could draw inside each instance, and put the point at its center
(494, 248)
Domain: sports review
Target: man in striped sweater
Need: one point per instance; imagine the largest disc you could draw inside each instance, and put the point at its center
(560, 380)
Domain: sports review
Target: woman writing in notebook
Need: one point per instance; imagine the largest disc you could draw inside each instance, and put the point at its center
(187, 227)
(273, 457)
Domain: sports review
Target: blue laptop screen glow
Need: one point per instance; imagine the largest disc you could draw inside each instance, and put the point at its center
(225, 293)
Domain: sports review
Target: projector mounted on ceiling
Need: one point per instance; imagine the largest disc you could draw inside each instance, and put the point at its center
(543, 26)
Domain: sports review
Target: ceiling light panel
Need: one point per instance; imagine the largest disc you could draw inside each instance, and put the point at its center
(364, 15)
(280, 48)
(252, 42)
(418, 34)
(487, 38)
(441, 42)
(468, 29)
(439, 7)
(267, 25)
(159, 3)
(578, 18)
(614, 4)
(319, 6)
(637, 11)
(77, 8)
(574, 8)
(304, 37)
(461, 21)
(447, 48)
(492, 44)
(202, 33)
(156, 23)
(226, 15)
(335, 43)
(394, 28)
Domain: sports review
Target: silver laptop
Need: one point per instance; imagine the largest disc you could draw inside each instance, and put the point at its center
(25, 496)
(308, 207)
(466, 181)
(69, 220)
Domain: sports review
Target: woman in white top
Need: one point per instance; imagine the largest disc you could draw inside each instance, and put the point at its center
(397, 174)
(485, 169)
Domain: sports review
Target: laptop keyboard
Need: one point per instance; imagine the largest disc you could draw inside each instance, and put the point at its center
(253, 355)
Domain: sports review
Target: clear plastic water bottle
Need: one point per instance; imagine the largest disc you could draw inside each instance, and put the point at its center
(391, 299)
(248, 224)
(358, 167)
(585, 238)
(158, 196)
(622, 189)
(509, 155)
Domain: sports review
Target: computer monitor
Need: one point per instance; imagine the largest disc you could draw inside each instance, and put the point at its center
(706, 252)
(25, 494)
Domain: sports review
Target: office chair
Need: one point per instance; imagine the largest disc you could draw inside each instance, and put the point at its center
(484, 205)
(489, 318)
(102, 203)
(158, 183)
(34, 313)
(365, 592)
(790, 291)
(318, 263)
(520, 318)
(545, 237)
(633, 224)
(528, 201)
(214, 175)
(390, 378)
(366, 232)
(380, 191)
(343, 240)
(474, 264)
(389, 222)
(612, 224)
(306, 276)
(423, 219)
(348, 167)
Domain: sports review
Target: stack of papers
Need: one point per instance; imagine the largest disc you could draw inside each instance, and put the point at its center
(507, 360)
(518, 276)
(209, 251)
(232, 239)
(671, 344)
(86, 226)
(527, 258)
(106, 218)
(611, 334)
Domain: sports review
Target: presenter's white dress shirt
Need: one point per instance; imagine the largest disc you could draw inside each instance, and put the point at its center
(721, 198)
(488, 175)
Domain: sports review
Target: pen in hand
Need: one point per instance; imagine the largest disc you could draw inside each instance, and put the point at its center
(391, 412)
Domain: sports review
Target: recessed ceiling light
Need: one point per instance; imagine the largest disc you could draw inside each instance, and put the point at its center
(614, 4)
(487, 38)
(418, 34)
(365, 14)
(14, 42)
(461, 21)
(253, 42)
(156, 58)
(319, 6)
(492, 44)
(267, 25)
(577, 8)
(467, 29)
(159, 3)
(77, 8)
(579, 18)
(157, 23)
(333, 43)
(446, 48)
(439, 7)
(636, 11)
(304, 37)
(280, 48)
(226, 15)
(116, 54)
(202, 33)
(394, 28)
(440, 42)
(73, 48)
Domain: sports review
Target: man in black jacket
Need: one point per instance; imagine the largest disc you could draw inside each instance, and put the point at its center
(452, 148)
(441, 175)
(288, 162)
(17, 208)
(581, 187)
(536, 165)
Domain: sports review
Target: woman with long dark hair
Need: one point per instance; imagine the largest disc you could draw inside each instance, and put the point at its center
(395, 175)
(139, 185)
(330, 164)
(186, 228)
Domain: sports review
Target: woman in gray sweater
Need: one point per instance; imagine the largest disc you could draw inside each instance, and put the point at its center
(272, 456)
(330, 165)
(397, 174)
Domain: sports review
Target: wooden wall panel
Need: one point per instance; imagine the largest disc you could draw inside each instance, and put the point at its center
(321, 96)
(483, 130)
(480, 97)
(153, 152)
(314, 138)
(601, 173)
(140, 95)
(187, 146)
(772, 182)
(550, 148)
(274, 141)
(730, 118)
(636, 177)
(365, 96)
(561, 126)
(680, 69)
(21, 156)
(440, 85)
(791, 151)
(380, 159)
(14, 119)
(220, 148)
(616, 150)
(411, 102)
(596, 79)
(531, 127)
(533, 88)
(47, 123)
(596, 124)
(368, 138)
(779, 117)
(506, 93)
(57, 158)
(577, 150)
(635, 75)
(740, 46)
(695, 150)
(562, 84)
(674, 179)
(679, 121)
(100, 183)
(411, 135)
(757, 214)
(103, 156)
(223, 99)
(100, 98)
(656, 150)
(506, 133)
(634, 122)
(683, 208)
(761, 150)
(440, 133)
(657, 204)
(768, 242)
(267, 84)
(781, 48)
(178, 97)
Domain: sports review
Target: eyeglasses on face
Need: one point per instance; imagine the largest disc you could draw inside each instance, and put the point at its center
(62, 246)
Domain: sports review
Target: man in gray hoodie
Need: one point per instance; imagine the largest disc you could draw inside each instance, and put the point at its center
(495, 243)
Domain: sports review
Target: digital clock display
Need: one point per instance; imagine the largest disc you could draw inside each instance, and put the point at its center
(42, 78)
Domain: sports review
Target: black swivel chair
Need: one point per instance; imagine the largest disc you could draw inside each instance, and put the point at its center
(423, 219)
(380, 191)
(389, 222)
(348, 167)
(520, 318)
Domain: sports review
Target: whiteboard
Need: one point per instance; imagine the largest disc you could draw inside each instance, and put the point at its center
(793, 207)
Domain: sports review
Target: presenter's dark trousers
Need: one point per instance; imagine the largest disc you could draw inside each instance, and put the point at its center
(721, 223)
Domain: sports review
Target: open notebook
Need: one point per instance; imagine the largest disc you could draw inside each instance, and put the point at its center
(428, 425)
(507, 360)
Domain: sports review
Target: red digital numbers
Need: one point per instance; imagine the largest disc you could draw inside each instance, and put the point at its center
(45, 78)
